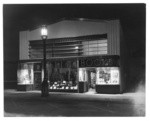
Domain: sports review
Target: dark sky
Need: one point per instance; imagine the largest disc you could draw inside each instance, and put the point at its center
(22, 17)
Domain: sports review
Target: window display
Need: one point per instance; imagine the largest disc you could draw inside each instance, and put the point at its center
(107, 76)
(25, 73)
(63, 75)
(82, 75)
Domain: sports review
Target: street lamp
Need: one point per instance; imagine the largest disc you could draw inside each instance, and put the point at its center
(44, 89)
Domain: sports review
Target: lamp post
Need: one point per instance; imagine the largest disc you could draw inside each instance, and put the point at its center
(44, 89)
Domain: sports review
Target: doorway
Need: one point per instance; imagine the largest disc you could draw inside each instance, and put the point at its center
(91, 73)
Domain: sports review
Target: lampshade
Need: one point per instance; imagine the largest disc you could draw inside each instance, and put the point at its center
(44, 32)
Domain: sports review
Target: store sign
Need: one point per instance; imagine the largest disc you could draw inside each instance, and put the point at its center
(107, 76)
(106, 61)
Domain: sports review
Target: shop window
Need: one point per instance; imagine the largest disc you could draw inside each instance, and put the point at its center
(82, 75)
(25, 73)
(95, 47)
(107, 76)
(63, 75)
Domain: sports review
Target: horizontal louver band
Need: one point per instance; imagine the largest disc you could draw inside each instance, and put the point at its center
(69, 47)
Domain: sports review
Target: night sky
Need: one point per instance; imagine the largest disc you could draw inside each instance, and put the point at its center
(26, 16)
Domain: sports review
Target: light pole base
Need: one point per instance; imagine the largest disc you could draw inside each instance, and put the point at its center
(45, 90)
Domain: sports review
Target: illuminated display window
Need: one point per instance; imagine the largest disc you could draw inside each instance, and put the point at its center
(107, 76)
(82, 75)
(25, 74)
(62, 75)
(101, 76)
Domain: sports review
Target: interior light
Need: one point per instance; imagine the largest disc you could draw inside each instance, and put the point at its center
(76, 47)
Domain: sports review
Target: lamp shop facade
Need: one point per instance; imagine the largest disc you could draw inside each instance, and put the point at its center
(81, 55)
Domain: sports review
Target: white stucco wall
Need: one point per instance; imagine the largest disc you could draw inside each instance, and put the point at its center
(70, 29)
(24, 45)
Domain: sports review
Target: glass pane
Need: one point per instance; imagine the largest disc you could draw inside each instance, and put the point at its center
(107, 76)
(25, 73)
(64, 77)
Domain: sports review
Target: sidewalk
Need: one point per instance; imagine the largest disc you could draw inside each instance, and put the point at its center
(136, 98)
(129, 95)
(31, 103)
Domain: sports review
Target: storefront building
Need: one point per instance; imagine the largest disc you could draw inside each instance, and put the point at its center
(81, 54)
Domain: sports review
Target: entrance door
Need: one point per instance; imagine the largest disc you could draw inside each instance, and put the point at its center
(91, 78)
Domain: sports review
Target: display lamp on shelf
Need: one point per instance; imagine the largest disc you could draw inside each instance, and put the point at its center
(44, 89)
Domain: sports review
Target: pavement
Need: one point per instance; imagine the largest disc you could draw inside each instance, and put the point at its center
(59, 104)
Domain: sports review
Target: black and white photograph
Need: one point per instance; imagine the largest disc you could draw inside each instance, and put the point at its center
(74, 60)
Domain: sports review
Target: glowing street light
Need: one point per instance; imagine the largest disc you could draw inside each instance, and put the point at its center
(44, 32)
(44, 90)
